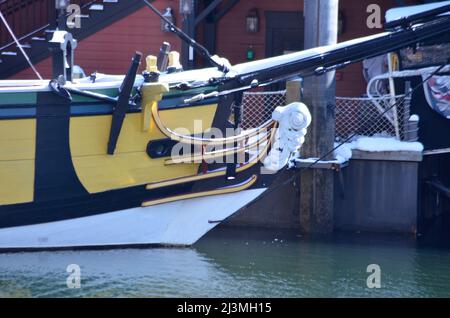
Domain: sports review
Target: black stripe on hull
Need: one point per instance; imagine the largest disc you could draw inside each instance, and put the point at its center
(111, 201)
(87, 205)
(55, 176)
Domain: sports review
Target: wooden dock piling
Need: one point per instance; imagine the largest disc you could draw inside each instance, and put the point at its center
(316, 197)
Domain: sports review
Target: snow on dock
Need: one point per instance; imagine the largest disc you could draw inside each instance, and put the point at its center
(344, 152)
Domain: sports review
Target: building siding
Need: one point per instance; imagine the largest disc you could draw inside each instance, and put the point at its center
(110, 50)
(233, 40)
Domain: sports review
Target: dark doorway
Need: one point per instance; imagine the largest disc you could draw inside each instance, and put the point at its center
(284, 34)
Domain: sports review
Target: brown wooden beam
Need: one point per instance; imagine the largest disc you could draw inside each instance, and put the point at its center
(212, 6)
(226, 8)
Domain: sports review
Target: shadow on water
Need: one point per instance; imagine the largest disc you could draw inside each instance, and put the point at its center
(238, 263)
(332, 266)
(436, 233)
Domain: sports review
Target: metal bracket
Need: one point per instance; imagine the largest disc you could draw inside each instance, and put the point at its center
(323, 165)
(335, 166)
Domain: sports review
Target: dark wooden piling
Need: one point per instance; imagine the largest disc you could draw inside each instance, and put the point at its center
(316, 198)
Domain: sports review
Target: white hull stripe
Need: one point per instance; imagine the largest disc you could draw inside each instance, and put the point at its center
(177, 223)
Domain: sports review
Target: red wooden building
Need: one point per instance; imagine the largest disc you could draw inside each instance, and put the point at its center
(111, 30)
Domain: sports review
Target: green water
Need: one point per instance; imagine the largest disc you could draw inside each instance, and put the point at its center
(239, 263)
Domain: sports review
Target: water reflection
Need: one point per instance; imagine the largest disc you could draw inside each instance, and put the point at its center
(237, 263)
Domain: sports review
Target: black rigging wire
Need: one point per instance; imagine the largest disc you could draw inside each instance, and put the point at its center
(186, 38)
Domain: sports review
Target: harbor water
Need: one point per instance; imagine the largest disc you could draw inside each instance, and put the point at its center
(238, 263)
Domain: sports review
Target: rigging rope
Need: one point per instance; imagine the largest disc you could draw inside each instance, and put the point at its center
(20, 46)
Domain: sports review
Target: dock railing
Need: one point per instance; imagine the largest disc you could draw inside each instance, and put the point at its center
(364, 117)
